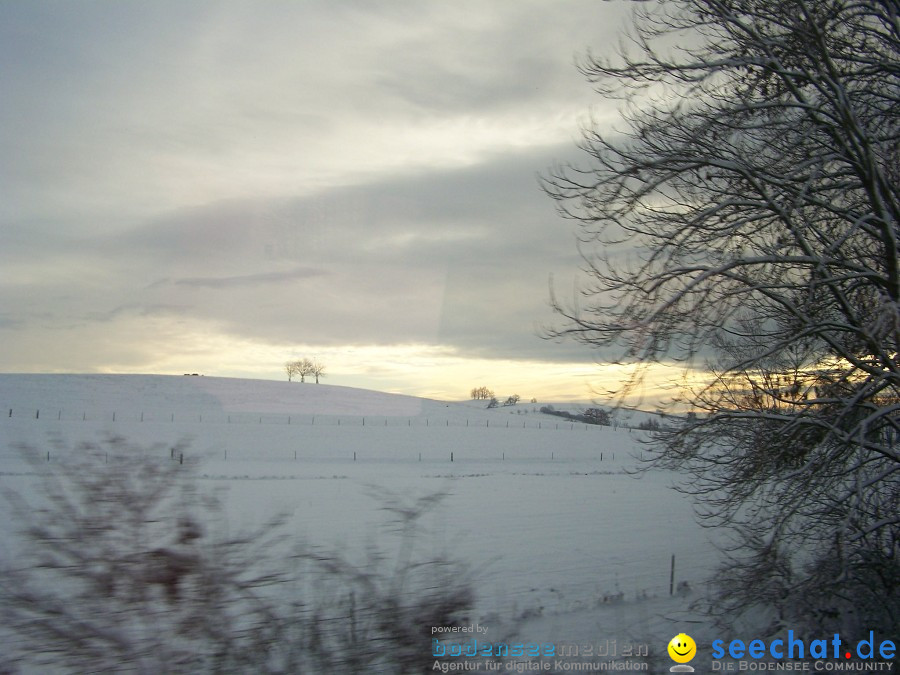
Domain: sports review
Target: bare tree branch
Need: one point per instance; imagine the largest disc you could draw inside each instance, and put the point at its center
(745, 224)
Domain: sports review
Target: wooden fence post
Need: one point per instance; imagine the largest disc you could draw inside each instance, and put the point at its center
(672, 576)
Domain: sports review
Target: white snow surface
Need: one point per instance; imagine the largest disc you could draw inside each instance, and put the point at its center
(563, 545)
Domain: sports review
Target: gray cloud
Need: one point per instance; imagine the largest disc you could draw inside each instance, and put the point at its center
(456, 257)
(135, 309)
(318, 172)
(248, 279)
(9, 324)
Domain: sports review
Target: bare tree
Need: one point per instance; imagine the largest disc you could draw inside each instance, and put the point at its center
(481, 394)
(317, 368)
(744, 224)
(304, 368)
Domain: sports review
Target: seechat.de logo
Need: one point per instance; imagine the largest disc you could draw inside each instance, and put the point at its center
(795, 647)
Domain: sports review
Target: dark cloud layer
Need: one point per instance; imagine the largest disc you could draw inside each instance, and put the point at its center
(459, 257)
(248, 279)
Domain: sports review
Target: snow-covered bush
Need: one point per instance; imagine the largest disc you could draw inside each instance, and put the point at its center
(122, 566)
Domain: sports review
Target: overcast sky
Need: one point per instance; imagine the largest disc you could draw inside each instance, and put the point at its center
(218, 187)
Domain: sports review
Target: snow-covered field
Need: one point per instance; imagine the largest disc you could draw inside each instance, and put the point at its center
(561, 542)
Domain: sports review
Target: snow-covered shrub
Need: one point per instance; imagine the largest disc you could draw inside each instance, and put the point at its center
(122, 567)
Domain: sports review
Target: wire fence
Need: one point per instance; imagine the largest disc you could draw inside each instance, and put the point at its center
(244, 418)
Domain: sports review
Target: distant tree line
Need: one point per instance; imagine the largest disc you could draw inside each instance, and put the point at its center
(481, 394)
(304, 368)
(651, 424)
(485, 394)
(589, 416)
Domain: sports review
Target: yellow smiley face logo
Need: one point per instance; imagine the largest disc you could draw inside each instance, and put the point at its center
(682, 648)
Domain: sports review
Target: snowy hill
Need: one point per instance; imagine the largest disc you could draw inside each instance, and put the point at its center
(267, 419)
(100, 397)
(542, 509)
(172, 392)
